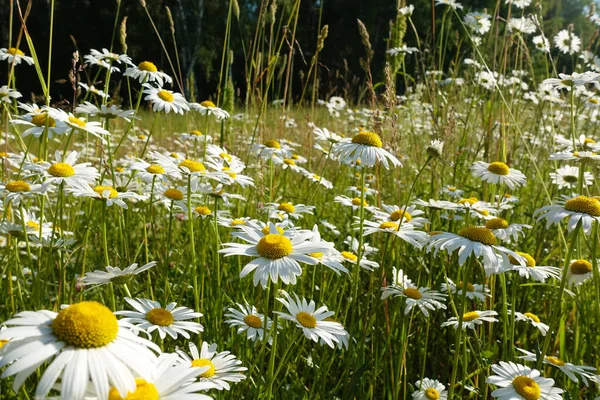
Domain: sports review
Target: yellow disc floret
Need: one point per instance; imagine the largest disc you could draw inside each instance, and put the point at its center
(61, 170)
(208, 103)
(166, 95)
(160, 317)
(432, 394)
(400, 214)
(143, 391)
(356, 202)
(478, 234)
(527, 387)
(532, 316)
(273, 144)
(496, 223)
(192, 166)
(43, 119)
(349, 256)
(76, 121)
(287, 207)
(412, 293)
(13, 51)
(389, 225)
(87, 324)
(555, 360)
(203, 210)
(367, 139)
(174, 194)
(147, 66)
(528, 258)
(498, 168)
(155, 169)
(112, 193)
(18, 186)
(580, 267)
(274, 246)
(253, 321)
(203, 362)
(584, 204)
(306, 320)
(470, 316)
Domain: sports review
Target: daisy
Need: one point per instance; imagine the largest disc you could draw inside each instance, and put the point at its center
(366, 147)
(505, 231)
(531, 269)
(452, 3)
(14, 55)
(165, 100)
(115, 274)
(270, 148)
(567, 42)
(64, 170)
(430, 389)
(352, 258)
(405, 231)
(208, 107)
(106, 55)
(567, 177)
(150, 172)
(7, 94)
(532, 319)
(312, 321)
(330, 227)
(579, 271)
(94, 90)
(478, 22)
(517, 381)
(331, 258)
(196, 136)
(105, 111)
(219, 193)
(36, 125)
(472, 318)
(498, 172)
(223, 367)
(437, 204)
(285, 209)
(354, 203)
(87, 343)
(248, 319)
(325, 135)
(15, 191)
(473, 291)
(317, 179)
(276, 254)
(149, 316)
(567, 368)
(423, 297)
(524, 25)
(579, 210)
(541, 43)
(104, 192)
(147, 72)
(400, 215)
(453, 192)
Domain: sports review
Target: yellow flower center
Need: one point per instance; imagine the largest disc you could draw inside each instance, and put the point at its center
(192, 166)
(274, 247)
(318, 255)
(101, 189)
(584, 204)
(3, 342)
(174, 194)
(253, 321)
(273, 144)
(225, 156)
(155, 169)
(528, 258)
(580, 267)
(468, 287)
(208, 103)
(43, 119)
(356, 202)
(196, 132)
(306, 320)
(412, 293)
(15, 52)
(389, 225)
(289, 161)
(143, 391)
(349, 256)
(160, 317)
(237, 222)
(18, 186)
(166, 95)
(316, 177)
(452, 188)
(295, 156)
(62, 170)
(32, 224)
(266, 230)
(498, 168)
(287, 207)
(555, 360)
(532, 316)
(142, 137)
(570, 178)
(399, 214)
(87, 324)
(468, 201)
(147, 66)
(526, 387)
(367, 139)
(589, 140)
(470, 316)
(496, 223)
(478, 234)
(76, 121)
(432, 394)
(203, 210)
(203, 362)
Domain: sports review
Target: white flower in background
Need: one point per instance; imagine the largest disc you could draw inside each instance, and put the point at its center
(541, 43)
(7, 94)
(524, 25)
(93, 89)
(115, 274)
(566, 177)
(430, 389)
(498, 172)
(248, 319)
(478, 22)
(473, 291)
(472, 319)
(567, 42)
(407, 11)
(366, 147)
(207, 107)
(422, 297)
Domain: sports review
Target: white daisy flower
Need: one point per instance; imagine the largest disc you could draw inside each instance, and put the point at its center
(405, 231)
(541, 43)
(422, 297)
(85, 341)
(472, 318)
(317, 179)
(104, 192)
(276, 254)
(149, 316)
(505, 231)
(478, 22)
(150, 172)
(408, 214)
(325, 135)
(285, 209)
(311, 320)
(567, 42)
(14, 55)
(106, 55)
(7, 94)
(64, 170)
(331, 258)
(366, 147)
(517, 381)
(105, 111)
(270, 148)
(93, 89)
(530, 269)
(498, 172)
(437, 204)
(451, 3)
(330, 227)
(430, 389)
(48, 120)
(531, 319)
(473, 290)
(580, 209)
(15, 191)
(115, 274)
(207, 107)
(567, 177)
(165, 100)
(579, 271)
(354, 203)
(352, 258)
(585, 372)
(223, 367)
(524, 25)
(248, 319)
(146, 72)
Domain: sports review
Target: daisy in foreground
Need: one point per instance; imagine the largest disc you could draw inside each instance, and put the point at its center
(430, 389)
(517, 381)
(366, 147)
(277, 253)
(150, 316)
(87, 343)
(472, 318)
(498, 172)
(314, 323)
(580, 209)
(165, 100)
(115, 274)
(422, 297)
(223, 367)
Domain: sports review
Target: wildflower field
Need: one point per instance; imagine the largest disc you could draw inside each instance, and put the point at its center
(434, 237)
